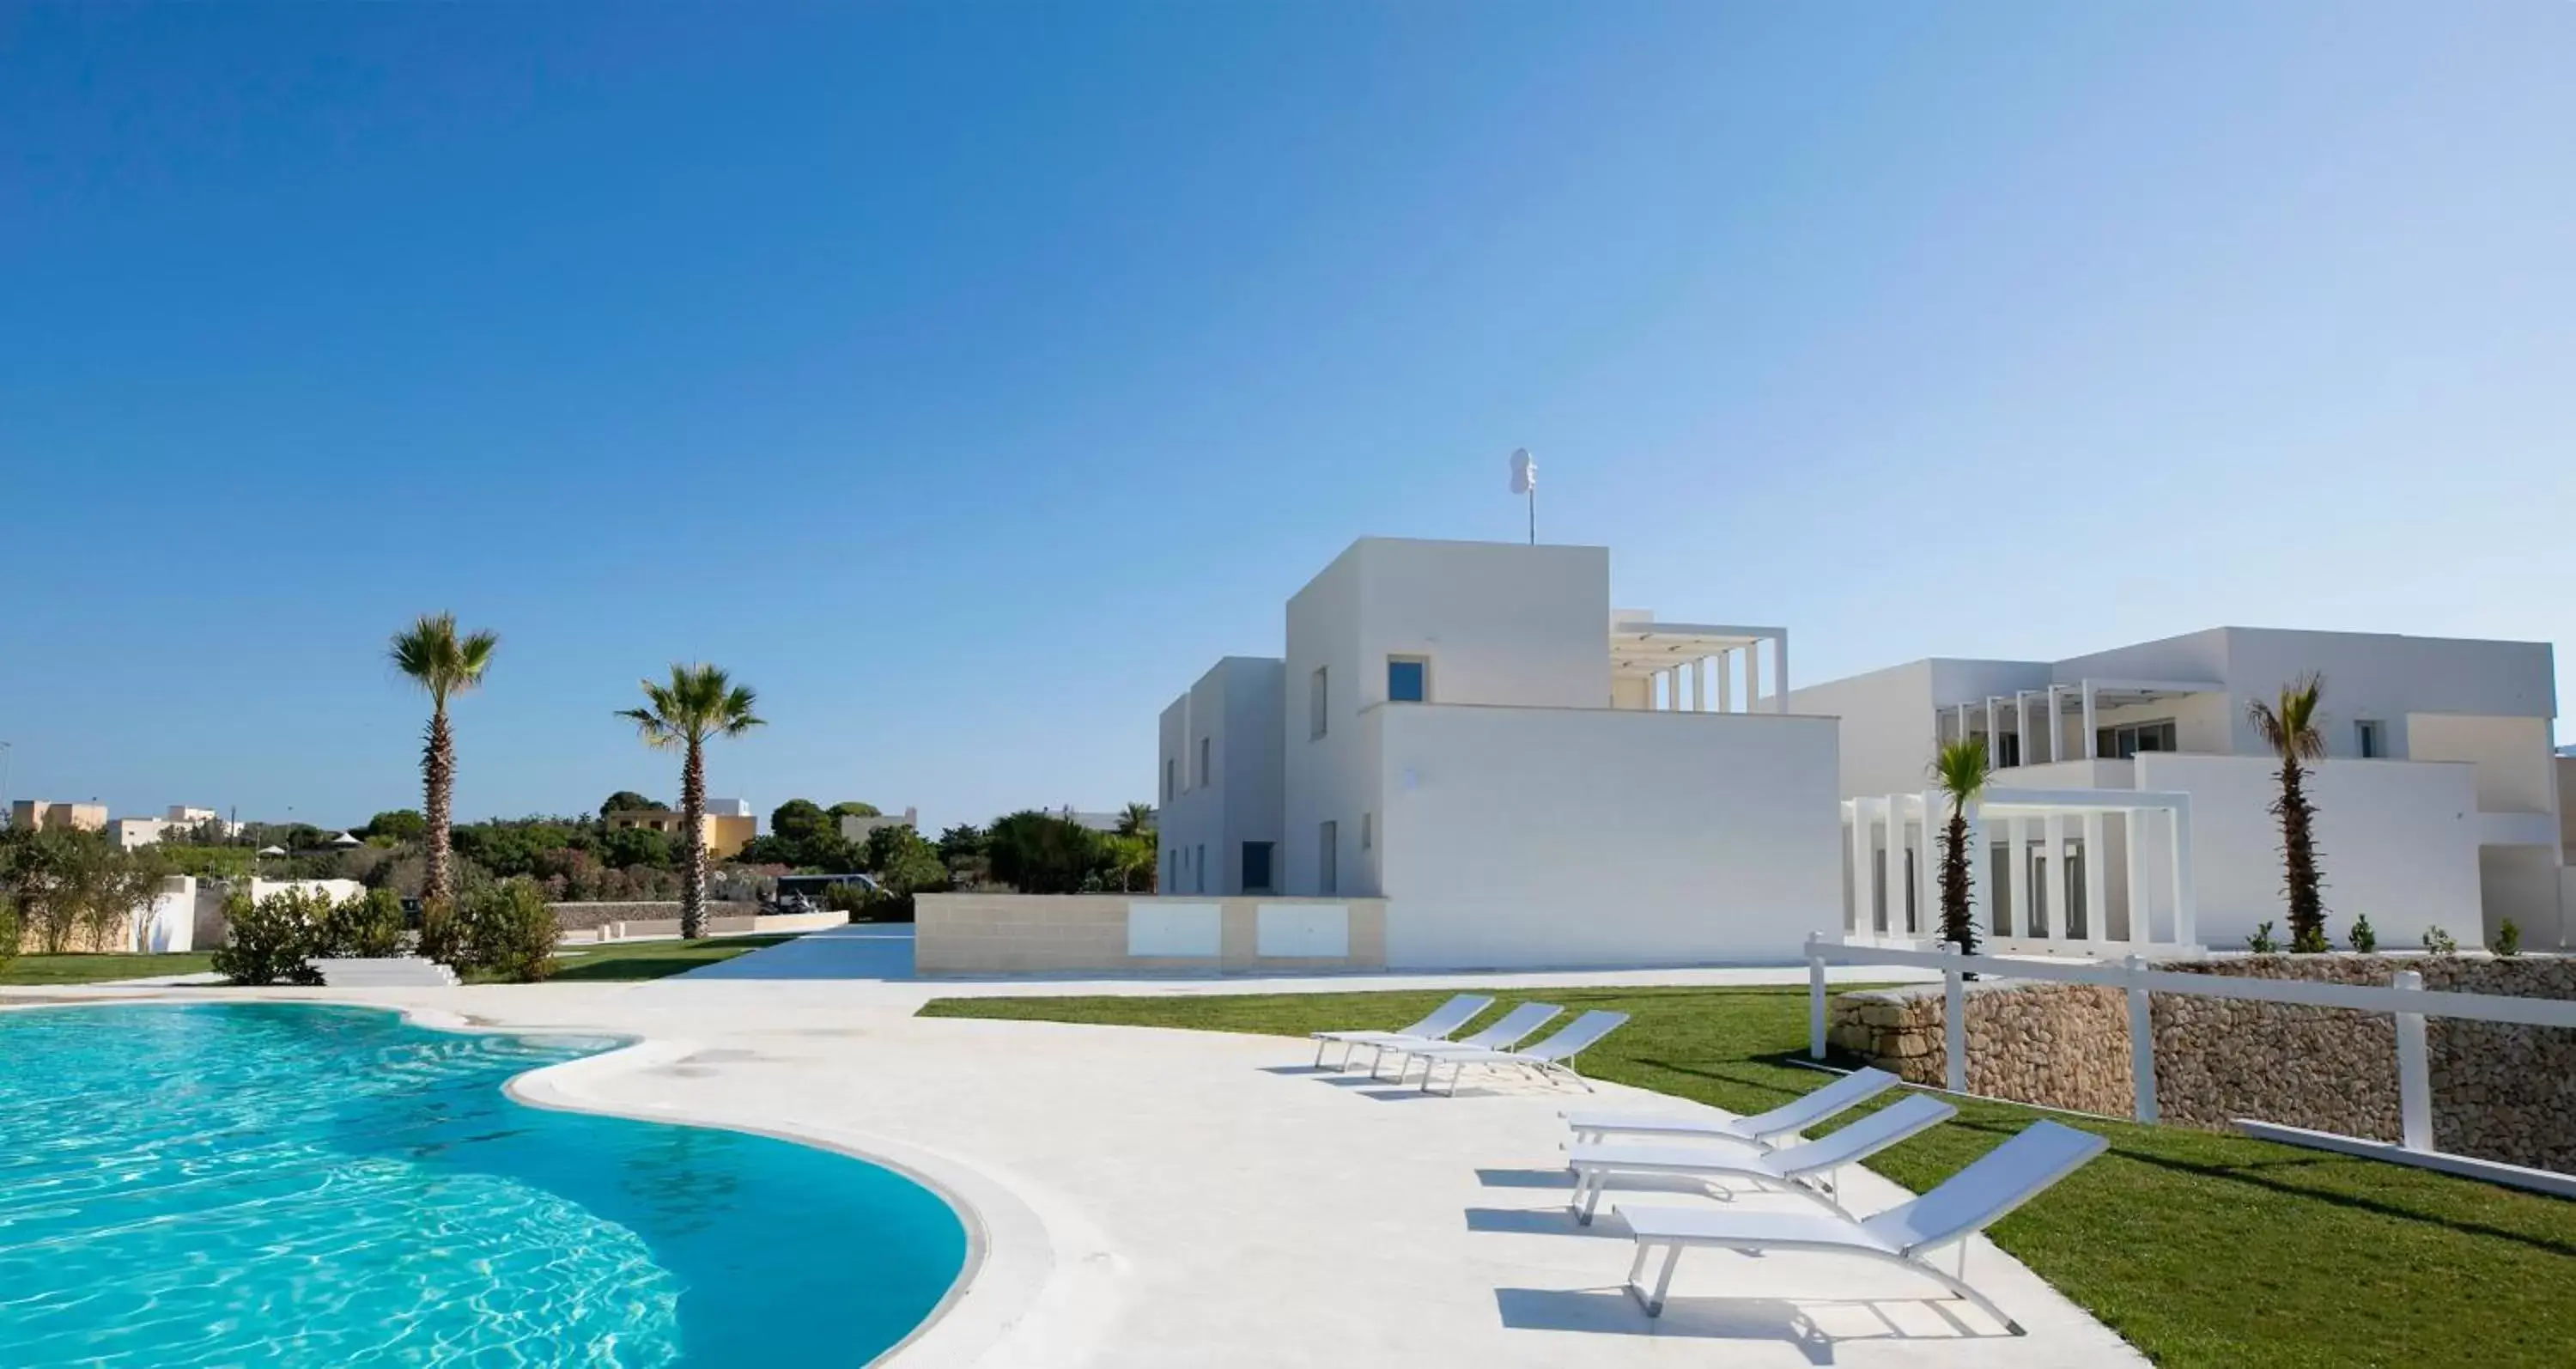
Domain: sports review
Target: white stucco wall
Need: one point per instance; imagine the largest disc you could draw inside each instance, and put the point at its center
(1546, 837)
(1235, 709)
(2398, 842)
(1885, 726)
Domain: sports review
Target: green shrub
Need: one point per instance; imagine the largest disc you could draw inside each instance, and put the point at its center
(8, 930)
(513, 932)
(2261, 943)
(2508, 938)
(2363, 939)
(272, 939)
(442, 935)
(2310, 941)
(2439, 942)
(367, 925)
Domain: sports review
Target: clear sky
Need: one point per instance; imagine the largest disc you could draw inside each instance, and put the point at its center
(967, 378)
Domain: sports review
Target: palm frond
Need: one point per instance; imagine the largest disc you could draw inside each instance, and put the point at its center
(2290, 725)
(696, 703)
(1960, 771)
(433, 656)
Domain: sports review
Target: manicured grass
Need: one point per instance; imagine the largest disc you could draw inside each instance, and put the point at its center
(92, 969)
(652, 959)
(2200, 1249)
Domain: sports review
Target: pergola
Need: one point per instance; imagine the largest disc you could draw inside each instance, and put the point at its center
(1673, 660)
(2023, 708)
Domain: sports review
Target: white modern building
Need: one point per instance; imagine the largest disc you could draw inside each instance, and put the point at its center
(133, 833)
(1528, 777)
(2438, 804)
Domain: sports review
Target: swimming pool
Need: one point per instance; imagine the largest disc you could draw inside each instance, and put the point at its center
(289, 1184)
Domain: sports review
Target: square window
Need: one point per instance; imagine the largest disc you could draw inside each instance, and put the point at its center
(1256, 868)
(1408, 679)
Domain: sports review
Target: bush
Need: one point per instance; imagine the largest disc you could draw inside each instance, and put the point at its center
(272, 939)
(367, 925)
(2261, 943)
(442, 935)
(512, 932)
(2363, 939)
(8, 930)
(2508, 939)
(2311, 941)
(2439, 942)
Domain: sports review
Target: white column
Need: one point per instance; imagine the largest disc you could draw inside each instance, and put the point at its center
(1780, 671)
(1963, 724)
(2053, 835)
(2092, 747)
(1726, 681)
(2018, 835)
(1752, 676)
(2414, 1077)
(1927, 900)
(1980, 898)
(1699, 684)
(2141, 924)
(1994, 754)
(1891, 887)
(2186, 902)
(2056, 725)
(2021, 725)
(2142, 1042)
(2096, 882)
(1857, 854)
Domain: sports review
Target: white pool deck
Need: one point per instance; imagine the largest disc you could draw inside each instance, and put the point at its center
(1167, 1198)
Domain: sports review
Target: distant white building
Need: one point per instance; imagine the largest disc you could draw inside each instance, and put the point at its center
(2438, 804)
(856, 828)
(1468, 730)
(134, 833)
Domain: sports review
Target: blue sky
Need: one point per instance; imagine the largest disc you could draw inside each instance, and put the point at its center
(968, 377)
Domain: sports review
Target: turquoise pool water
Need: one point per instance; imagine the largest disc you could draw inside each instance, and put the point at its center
(274, 1184)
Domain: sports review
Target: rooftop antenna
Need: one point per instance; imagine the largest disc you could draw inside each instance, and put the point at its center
(1525, 483)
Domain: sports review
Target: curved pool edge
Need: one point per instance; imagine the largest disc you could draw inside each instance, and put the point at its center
(1011, 1251)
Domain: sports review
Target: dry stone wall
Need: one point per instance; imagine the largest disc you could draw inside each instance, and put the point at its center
(2500, 1091)
(584, 917)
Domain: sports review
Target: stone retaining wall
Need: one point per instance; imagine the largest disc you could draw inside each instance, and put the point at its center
(584, 917)
(2500, 1091)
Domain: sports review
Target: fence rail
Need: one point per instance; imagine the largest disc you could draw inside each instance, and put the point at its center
(2405, 998)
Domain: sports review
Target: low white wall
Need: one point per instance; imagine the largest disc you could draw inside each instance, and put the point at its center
(2398, 842)
(1522, 838)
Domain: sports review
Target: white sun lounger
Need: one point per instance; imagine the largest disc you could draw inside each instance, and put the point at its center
(1509, 1030)
(1810, 1170)
(1971, 1200)
(1548, 1059)
(1761, 1129)
(1443, 1022)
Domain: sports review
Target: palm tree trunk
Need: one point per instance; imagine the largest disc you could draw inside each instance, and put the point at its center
(693, 810)
(438, 781)
(2299, 858)
(1957, 926)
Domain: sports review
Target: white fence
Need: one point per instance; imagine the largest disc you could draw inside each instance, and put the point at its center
(2405, 999)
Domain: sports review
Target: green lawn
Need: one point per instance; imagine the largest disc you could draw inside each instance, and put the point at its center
(91, 969)
(2201, 1249)
(652, 959)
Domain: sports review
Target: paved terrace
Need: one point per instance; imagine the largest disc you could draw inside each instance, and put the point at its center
(1163, 1198)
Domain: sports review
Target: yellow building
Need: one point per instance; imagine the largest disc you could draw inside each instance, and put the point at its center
(727, 827)
(37, 814)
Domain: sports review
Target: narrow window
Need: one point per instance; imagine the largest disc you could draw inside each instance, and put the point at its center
(1368, 834)
(1328, 875)
(1408, 679)
(2373, 741)
(1315, 706)
(1171, 778)
(1203, 760)
(1198, 868)
(1256, 867)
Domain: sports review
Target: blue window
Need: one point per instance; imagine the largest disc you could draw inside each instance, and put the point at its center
(1407, 679)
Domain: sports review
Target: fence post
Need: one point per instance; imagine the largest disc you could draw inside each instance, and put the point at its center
(2142, 1042)
(1954, 1023)
(2414, 1075)
(1815, 1000)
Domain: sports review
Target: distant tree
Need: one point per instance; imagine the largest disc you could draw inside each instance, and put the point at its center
(1136, 820)
(802, 820)
(401, 824)
(1959, 770)
(627, 801)
(2289, 728)
(887, 847)
(74, 889)
(1042, 853)
(855, 809)
(444, 664)
(698, 703)
(626, 846)
(1129, 859)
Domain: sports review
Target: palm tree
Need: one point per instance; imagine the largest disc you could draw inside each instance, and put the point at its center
(433, 656)
(1960, 772)
(699, 702)
(1136, 820)
(2289, 727)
